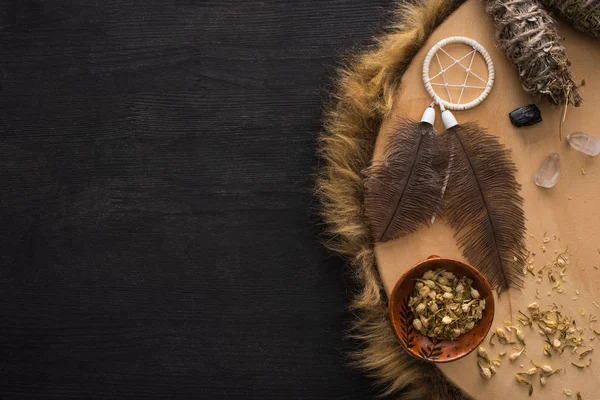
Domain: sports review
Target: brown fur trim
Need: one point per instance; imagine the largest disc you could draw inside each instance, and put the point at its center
(364, 96)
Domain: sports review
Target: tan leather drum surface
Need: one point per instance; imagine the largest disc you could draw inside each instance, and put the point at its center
(569, 213)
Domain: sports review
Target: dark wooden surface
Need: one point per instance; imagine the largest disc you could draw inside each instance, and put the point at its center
(157, 237)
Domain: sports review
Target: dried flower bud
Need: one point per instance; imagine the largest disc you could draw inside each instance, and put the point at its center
(501, 334)
(460, 288)
(417, 324)
(469, 326)
(546, 329)
(446, 288)
(482, 352)
(448, 275)
(531, 371)
(474, 293)
(424, 321)
(547, 369)
(486, 373)
(542, 380)
(424, 291)
(420, 308)
(429, 283)
(446, 320)
(533, 306)
(550, 323)
(429, 275)
(448, 296)
(442, 280)
(520, 335)
(418, 285)
(456, 332)
(516, 355)
(556, 343)
(433, 306)
(492, 369)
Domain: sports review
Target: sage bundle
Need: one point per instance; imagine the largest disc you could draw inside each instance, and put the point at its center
(584, 15)
(526, 32)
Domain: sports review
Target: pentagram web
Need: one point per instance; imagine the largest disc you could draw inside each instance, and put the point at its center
(466, 63)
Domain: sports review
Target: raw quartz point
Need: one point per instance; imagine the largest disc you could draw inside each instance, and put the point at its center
(584, 143)
(525, 116)
(549, 172)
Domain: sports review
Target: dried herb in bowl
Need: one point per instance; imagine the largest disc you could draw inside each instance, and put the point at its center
(445, 306)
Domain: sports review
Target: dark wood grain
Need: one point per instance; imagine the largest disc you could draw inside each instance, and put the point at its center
(157, 161)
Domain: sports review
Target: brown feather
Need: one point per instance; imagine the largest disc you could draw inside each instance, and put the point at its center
(404, 191)
(483, 204)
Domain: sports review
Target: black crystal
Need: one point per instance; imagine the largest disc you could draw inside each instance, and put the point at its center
(526, 116)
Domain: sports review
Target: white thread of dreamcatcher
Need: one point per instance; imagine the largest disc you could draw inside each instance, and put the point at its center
(487, 84)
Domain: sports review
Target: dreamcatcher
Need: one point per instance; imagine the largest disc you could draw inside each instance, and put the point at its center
(463, 174)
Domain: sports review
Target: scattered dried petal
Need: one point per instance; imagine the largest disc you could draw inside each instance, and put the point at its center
(585, 353)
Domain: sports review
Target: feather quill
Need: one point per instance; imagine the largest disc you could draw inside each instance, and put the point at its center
(483, 205)
(405, 190)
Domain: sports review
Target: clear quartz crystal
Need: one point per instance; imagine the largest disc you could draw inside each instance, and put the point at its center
(584, 143)
(549, 172)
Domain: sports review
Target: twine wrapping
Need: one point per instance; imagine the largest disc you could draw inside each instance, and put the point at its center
(584, 15)
(526, 32)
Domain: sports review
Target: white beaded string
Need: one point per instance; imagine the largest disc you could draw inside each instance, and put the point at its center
(487, 84)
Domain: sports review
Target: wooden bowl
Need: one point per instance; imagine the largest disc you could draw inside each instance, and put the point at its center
(419, 345)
